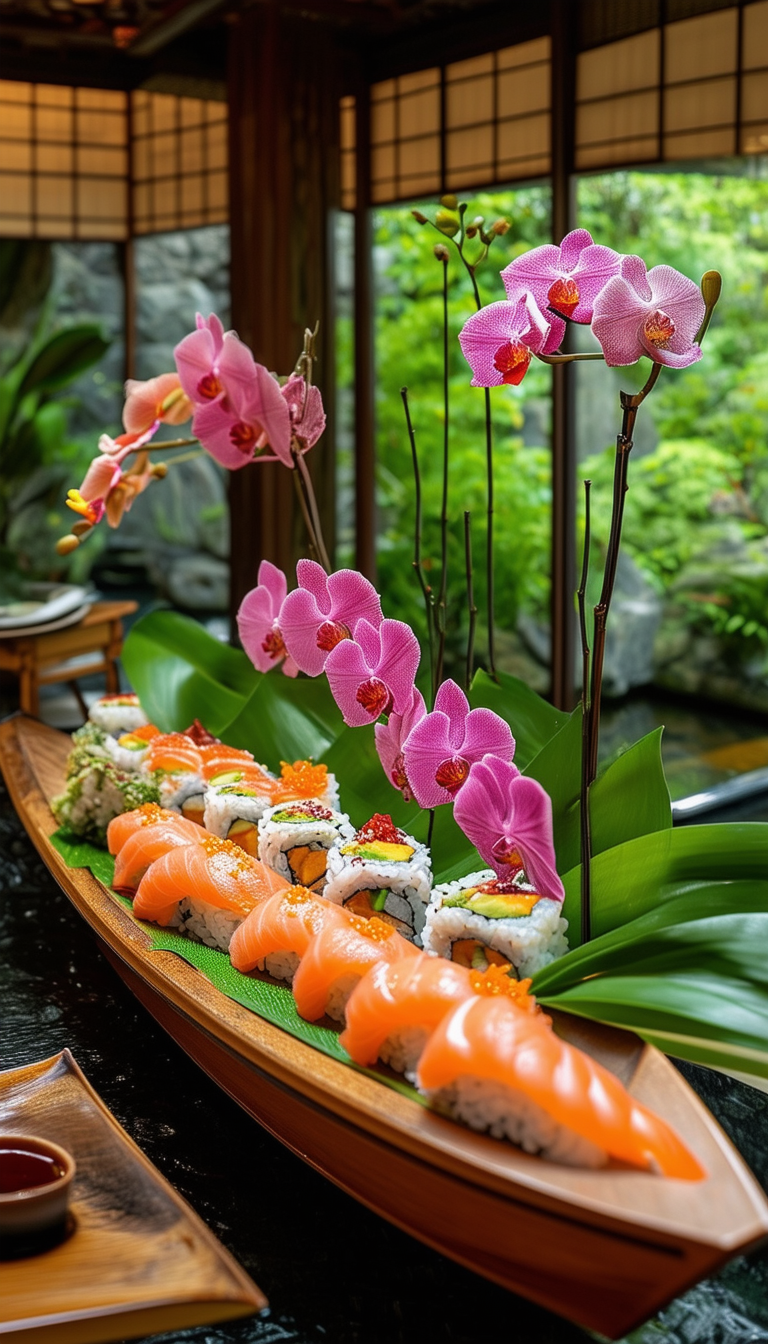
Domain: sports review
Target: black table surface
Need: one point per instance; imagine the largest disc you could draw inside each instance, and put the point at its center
(333, 1271)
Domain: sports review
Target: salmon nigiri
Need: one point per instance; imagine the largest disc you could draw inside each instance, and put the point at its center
(173, 752)
(502, 1069)
(151, 843)
(338, 956)
(121, 828)
(206, 889)
(277, 933)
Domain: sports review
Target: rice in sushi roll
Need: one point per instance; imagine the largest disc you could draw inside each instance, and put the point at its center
(382, 872)
(295, 838)
(118, 713)
(483, 920)
(89, 743)
(96, 794)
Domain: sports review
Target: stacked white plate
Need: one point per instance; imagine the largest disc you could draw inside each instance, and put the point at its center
(41, 607)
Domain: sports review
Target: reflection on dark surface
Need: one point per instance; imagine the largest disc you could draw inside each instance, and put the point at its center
(333, 1271)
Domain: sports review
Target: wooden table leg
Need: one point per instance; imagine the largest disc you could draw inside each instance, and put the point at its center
(29, 699)
(111, 653)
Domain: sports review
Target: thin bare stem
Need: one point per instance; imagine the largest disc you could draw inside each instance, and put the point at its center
(441, 601)
(317, 526)
(417, 565)
(470, 599)
(584, 819)
(305, 511)
(571, 359)
(162, 445)
(185, 457)
(430, 827)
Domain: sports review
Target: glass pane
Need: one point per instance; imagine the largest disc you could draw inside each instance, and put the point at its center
(408, 350)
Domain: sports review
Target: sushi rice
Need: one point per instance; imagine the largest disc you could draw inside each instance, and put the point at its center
(116, 714)
(382, 872)
(96, 794)
(292, 833)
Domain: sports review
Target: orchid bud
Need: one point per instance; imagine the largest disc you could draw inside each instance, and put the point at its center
(450, 201)
(447, 222)
(471, 231)
(711, 285)
(65, 545)
(420, 219)
(81, 528)
(500, 227)
(441, 252)
(477, 223)
(159, 470)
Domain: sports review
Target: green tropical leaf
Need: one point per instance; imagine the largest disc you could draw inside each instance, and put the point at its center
(630, 798)
(287, 720)
(634, 877)
(533, 721)
(180, 673)
(63, 357)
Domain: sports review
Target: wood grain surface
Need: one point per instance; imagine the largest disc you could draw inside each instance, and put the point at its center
(137, 1260)
(605, 1248)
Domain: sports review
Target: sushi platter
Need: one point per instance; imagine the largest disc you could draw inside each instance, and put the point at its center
(605, 1248)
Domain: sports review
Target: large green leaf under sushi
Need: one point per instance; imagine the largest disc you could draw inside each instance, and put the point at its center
(273, 1002)
(180, 673)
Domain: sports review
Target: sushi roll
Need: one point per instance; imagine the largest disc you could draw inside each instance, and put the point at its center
(204, 890)
(175, 764)
(129, 750)
(118, 713)
(295, 838)
(233, 803)
(277, 933)
(303, 779)
(88, 743)
(382, 872)
(337, 957)
(96, 794)
(499, 1067)
(483, 920)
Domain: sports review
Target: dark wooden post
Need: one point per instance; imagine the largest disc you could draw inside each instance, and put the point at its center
(365, 443)
(563, 389)
(284, 184)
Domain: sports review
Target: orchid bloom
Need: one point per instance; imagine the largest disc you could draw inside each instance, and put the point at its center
(374, 674)
(655, 313)
(162, 398)
(508, 818)
(305, 406)
(567, 278)
(324, 610)
(499, 340)
(390, 739)
(444, 745)
(258, 621)
(107, 488)
(239, 406)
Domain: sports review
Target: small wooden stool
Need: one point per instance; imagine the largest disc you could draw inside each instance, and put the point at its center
(28, 656)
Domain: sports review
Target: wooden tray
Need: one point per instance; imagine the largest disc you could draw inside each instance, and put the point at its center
(137, 1259)
(606, 1249)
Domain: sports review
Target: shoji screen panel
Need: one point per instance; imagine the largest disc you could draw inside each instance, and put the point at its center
(179, 151)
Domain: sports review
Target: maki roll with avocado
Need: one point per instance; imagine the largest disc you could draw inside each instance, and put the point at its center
(483, 920)
(382, 872)
(295, 839)
(96, 794)
(234, 802)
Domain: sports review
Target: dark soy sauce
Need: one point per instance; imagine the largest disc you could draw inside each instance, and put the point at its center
(23, 1169)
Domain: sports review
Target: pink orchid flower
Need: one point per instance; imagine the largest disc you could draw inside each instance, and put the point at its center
(498, 342)
(390, 738)
(162, 398)
(324, 610)
(124, 444)
(258, 621)
(567, 278)
(107, 488)
(239, 407)
(374, 674)
(305, 406)
(655, 313)
(508, 818)
(445, 744)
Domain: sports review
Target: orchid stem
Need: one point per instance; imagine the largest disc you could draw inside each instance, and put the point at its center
(163, 445)
(317, 528)
(417, 565)
(431, 826)
(470, 599)
(585, 827)
(441, 603)
(489, 508)
(185, 457)
(305, 511)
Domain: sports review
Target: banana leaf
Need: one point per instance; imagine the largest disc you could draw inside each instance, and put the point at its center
(180, 673)
(63, 357)
(287, 720)
(633, 878)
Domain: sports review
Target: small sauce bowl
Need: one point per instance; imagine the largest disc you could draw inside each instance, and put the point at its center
(35, 1181)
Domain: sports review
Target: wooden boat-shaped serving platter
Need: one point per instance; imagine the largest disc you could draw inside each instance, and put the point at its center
(605, 1248)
